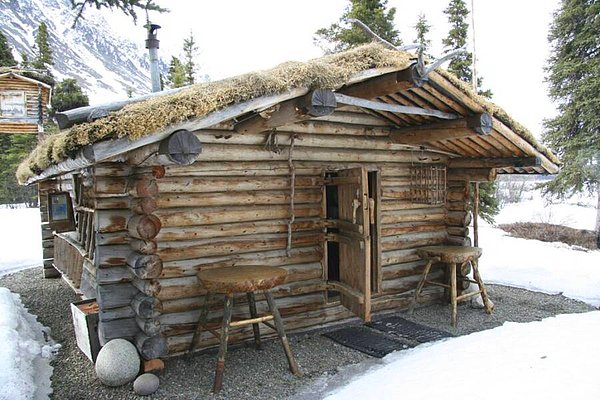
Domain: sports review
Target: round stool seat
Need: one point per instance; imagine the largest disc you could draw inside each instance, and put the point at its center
(450, 254)
(242, 279)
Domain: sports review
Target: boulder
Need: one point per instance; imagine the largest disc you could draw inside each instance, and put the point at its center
(146, 384)
(117, 363)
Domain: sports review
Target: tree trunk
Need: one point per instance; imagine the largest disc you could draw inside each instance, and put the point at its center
(598, 216)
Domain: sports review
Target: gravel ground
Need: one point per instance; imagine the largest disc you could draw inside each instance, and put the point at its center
(251, 374)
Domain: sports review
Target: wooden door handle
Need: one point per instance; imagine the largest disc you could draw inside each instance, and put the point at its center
(355, 207)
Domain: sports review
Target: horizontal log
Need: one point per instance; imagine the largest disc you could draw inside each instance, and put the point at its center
(297, 255)
(175, 217)
(144, 226)
(458, 231)
(119, 328)
(404, 227)
(397, 216)
(151, 347)
(401, 301)
(317, 103)
(169, 251)
(458, 218)
(150, 287)
(238, 229)
(143, 246)
(146, 306)
(111, 256)
(145, 266)
(459, 240)
(413, 240)
(149, 326)
(116, 313)
(473, 174)
(107, 221)
(478, 125)
(408, 283)
(387, 205)
(116, 295)
(113, 275)
(261, 197)
(200, 168)
(378, 86)
(499, 162)
(232, 184)
(410, 269)
(398, 256)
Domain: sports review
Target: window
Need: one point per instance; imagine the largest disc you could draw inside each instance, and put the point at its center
(428, 184)
(12, 104)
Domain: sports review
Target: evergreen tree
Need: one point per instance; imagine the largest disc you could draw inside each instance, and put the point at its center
(13, 148)
(176, 76)
(67, 95)
(422, 28)
(461, 66)
(189, 50)
(6, 56)
(129, 7)
(25, 64)
(573, 74)
(43, 52)
(373, 13)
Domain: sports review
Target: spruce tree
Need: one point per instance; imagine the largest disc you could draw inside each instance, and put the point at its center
(67, 95)
(422, 29)
(13, 148)
(461, 66)
(573, 75)
(189, 50)
(6, 56)
(25, 63)
(176, 76)
(128, 7)
(43, 53)
(373, 13)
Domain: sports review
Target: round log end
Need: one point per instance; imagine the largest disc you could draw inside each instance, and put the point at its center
(182, 147)
(144, 226)
(144, 205)
(151, 347)
(322, 103)
(481, 123)
(145, 188)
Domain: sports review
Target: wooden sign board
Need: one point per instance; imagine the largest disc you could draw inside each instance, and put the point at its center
(60, 212)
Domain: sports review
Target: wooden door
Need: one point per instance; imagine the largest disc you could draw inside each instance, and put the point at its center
(354, 241)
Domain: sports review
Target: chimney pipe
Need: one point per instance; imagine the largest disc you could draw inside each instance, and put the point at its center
(152, 46)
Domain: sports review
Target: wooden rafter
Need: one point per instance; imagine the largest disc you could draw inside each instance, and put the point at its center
(494, 162)
(477, 125)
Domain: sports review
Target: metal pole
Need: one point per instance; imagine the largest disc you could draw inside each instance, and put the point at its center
(152, 46)
(474, 81)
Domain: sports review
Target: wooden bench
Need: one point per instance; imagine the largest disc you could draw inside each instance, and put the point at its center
(452, 256)
(242, 279)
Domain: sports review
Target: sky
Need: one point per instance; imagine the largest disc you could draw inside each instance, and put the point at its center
(237, 36)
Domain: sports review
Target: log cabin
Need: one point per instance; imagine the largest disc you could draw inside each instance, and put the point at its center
(337, 169)
(24, 99)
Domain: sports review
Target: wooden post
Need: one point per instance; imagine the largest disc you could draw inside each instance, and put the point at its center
(218, 383)
(475, 215)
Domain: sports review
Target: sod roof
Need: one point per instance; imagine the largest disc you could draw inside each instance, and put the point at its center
(149, 116)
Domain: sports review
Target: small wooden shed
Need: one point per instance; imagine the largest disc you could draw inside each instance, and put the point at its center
(24, 98)
(336, 169)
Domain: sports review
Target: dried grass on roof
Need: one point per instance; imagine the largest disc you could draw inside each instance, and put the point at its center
(146, 117)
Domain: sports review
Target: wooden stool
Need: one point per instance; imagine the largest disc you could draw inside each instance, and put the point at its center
(249, 280)
(451, 256)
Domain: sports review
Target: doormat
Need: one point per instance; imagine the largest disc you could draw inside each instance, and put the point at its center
(400, 328)
(366, 340)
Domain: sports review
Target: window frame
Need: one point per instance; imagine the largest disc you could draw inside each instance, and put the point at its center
(13, 92)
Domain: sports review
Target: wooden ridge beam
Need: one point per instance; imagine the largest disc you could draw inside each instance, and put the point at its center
(385, 84)
(477, 125)
(489, 162)
(395, 108)
(318, 103)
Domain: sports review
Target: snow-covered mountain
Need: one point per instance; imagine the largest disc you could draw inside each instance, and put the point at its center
(106, 65)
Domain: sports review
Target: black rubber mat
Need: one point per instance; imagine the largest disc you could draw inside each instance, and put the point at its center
(366, 340)
(401, 328)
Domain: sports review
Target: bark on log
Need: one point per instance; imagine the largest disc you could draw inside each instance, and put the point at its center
(150, 287)
(262, 197)
(143, 246)
(149, 326)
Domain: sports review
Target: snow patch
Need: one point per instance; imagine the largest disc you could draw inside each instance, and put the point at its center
(20, 239)
(25, 352)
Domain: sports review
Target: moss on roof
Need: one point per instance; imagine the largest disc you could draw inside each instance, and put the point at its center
(38, 76)
(149, 116)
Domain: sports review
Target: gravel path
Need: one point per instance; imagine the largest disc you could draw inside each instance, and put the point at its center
(252, 374)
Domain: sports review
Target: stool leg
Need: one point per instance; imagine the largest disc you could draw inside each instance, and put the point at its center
(254, 314)
(482, 289)
(218, 383)
(201, 322)
(281, 333)
(453, 292)
(420, 286)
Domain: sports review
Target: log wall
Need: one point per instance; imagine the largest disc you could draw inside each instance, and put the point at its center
(231, 207)
(33, 94)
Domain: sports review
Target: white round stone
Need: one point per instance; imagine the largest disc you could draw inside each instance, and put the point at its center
(118, 363)
(146, 384)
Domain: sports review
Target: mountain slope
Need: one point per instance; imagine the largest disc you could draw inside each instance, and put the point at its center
(105, 65)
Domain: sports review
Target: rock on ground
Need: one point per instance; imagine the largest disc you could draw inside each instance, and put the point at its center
(117, 363)
(146, 384)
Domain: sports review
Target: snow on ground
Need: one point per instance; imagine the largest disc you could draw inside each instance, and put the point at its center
(556, 358)
(25, 352)
(20, 239)
(542, 266)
